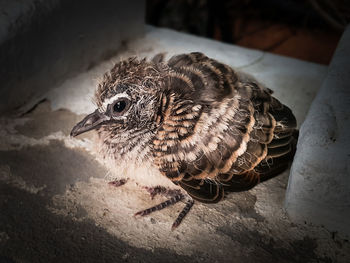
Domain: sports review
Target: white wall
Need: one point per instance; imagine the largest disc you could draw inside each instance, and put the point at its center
(319, 184)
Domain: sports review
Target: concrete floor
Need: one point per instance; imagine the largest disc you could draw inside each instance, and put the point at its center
(56, 204)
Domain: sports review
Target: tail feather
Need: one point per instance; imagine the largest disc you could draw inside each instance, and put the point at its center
(280, 156)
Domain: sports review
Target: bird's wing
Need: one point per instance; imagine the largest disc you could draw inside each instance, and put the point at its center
(218, 132)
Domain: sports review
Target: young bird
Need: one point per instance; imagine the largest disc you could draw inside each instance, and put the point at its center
(190, 128)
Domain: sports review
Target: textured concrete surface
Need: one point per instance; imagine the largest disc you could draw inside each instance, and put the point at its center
(56, 204)
(16, 14)
(42, 43)
(319, 186)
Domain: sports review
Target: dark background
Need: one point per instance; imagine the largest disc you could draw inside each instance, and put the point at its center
(304, 29)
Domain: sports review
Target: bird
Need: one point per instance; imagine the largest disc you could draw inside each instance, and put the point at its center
(189, 128)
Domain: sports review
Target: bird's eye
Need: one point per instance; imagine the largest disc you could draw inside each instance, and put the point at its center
(120, 106)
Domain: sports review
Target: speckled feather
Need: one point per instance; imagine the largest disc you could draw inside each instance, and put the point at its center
(202, 125)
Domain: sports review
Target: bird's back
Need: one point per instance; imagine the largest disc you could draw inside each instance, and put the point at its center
(219, 130)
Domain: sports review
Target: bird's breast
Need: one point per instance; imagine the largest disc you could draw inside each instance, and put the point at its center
(136, 164)
(146, 174)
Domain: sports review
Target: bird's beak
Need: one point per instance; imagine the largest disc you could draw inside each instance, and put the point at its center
(91, 121)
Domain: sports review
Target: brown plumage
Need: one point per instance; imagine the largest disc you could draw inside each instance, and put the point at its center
(201, 128)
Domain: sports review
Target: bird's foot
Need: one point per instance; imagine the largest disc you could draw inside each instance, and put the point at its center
(161, 190)
(183, 213)
(117, 183)
(171, 201)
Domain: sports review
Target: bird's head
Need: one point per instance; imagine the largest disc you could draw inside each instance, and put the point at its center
(127, 99)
